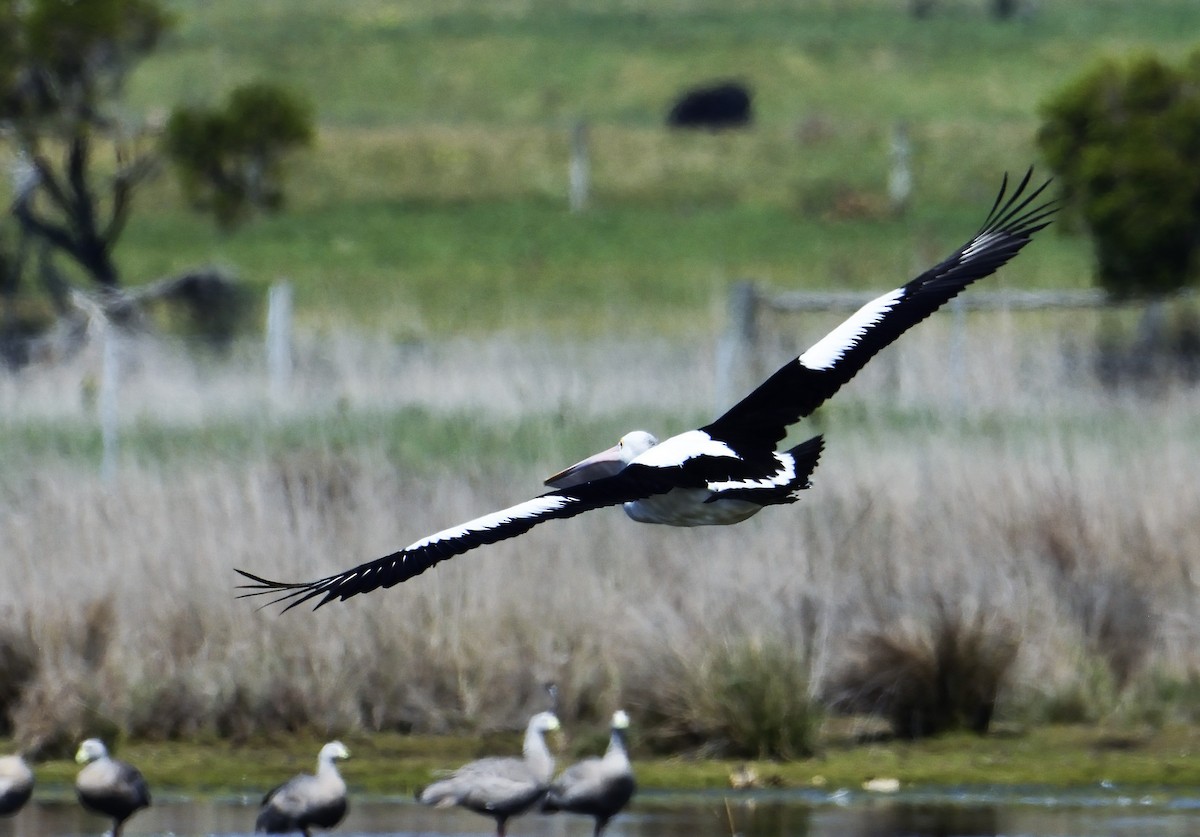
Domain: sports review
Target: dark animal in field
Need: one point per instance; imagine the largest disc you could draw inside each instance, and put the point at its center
(498, 787)
(715, 106)
(305, 802)
(730, 469)
(109, 787)
(16, 784)
(597, 787)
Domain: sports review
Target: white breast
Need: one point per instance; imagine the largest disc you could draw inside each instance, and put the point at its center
(686, 507)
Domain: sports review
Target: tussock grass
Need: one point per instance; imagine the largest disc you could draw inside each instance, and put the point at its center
(928, 678)
(1013, 536)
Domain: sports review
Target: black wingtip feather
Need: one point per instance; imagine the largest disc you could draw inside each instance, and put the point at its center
(1011, 216)
(295, 593)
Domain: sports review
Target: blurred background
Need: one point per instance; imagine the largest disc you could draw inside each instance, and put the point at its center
(289, 285)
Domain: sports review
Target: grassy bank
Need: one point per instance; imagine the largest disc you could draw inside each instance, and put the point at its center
(394, 765)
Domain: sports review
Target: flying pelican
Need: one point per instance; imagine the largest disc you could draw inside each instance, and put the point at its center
(16, 784)
(305, 801)
(728, 470)
(598, 787)
(500, 787)
(109, 787)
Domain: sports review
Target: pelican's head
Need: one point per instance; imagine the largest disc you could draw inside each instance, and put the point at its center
(607, 462)
(334, 750)
(91, 750)
(620, 719)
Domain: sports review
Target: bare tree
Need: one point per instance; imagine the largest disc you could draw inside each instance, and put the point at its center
(65, 67)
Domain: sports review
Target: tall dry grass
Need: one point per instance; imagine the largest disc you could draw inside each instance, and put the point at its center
(1010, 520)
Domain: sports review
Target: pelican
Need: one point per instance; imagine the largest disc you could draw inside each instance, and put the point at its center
(500, 787)
(304, 801)
(109, 787)
(16, 784)
(726, 471)
(598, 787)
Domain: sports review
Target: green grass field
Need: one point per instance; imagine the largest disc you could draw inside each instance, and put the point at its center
(435, 200)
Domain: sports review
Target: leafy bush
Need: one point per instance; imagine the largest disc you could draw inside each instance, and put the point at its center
(229, 158)
(1123, 140)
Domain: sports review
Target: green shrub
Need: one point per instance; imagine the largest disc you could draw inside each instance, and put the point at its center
(1123, 141)
(230, 158)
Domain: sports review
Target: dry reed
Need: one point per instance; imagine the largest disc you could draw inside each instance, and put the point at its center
(1016, 511)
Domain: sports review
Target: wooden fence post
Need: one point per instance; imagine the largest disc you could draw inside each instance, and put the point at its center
(279, 342)
(737, 351)
(579, 170)
(108, 398)
(900, 180)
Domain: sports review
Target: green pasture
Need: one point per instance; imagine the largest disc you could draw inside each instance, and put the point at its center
(434, 201)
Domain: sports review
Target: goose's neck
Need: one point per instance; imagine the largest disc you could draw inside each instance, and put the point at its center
(537, 754)
(616, 746)
(327, 768)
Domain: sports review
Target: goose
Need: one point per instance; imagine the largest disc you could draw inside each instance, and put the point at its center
(16, 784)
(598, 787)
(728, 470)
(304, 802)
(500, 787)
(109, 787)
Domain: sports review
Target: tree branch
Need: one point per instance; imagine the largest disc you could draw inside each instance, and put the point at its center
(57, 235)
(127, 177)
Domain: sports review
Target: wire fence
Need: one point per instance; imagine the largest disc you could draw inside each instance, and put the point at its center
(763, 327)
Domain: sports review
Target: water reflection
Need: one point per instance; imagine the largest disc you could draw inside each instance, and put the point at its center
(931, 820)
(943, 814)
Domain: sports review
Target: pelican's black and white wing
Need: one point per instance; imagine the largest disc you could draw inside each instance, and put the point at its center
(728, 470)
(806, 382)
(633, 483)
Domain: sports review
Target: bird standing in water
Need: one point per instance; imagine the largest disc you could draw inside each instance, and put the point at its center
(109, 787)
(599, 787)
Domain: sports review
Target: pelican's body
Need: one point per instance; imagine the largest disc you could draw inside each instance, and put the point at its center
(498, 787)
(728, 470)
(772, 479)
(109, 787)
(597, 787)
(16, 784)
(304, 802)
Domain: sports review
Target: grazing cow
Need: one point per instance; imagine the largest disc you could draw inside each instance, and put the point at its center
(714, 106)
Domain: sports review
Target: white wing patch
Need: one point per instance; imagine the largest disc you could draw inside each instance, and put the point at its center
(785, 474)
(529, 510)
(829, 349)
(679, 449)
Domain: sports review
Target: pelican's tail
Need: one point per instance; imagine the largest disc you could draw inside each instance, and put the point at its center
(805, 456)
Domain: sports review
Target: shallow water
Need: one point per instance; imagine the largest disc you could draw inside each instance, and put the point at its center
(1104, 812)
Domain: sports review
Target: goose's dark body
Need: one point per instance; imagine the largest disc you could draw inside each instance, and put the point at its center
(109, 787)
(728, 470)
(596, 787)
(499, 787)
(16, 784)
(307, 801)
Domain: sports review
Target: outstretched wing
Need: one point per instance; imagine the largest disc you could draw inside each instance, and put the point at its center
(803, 384)
(635, 482)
